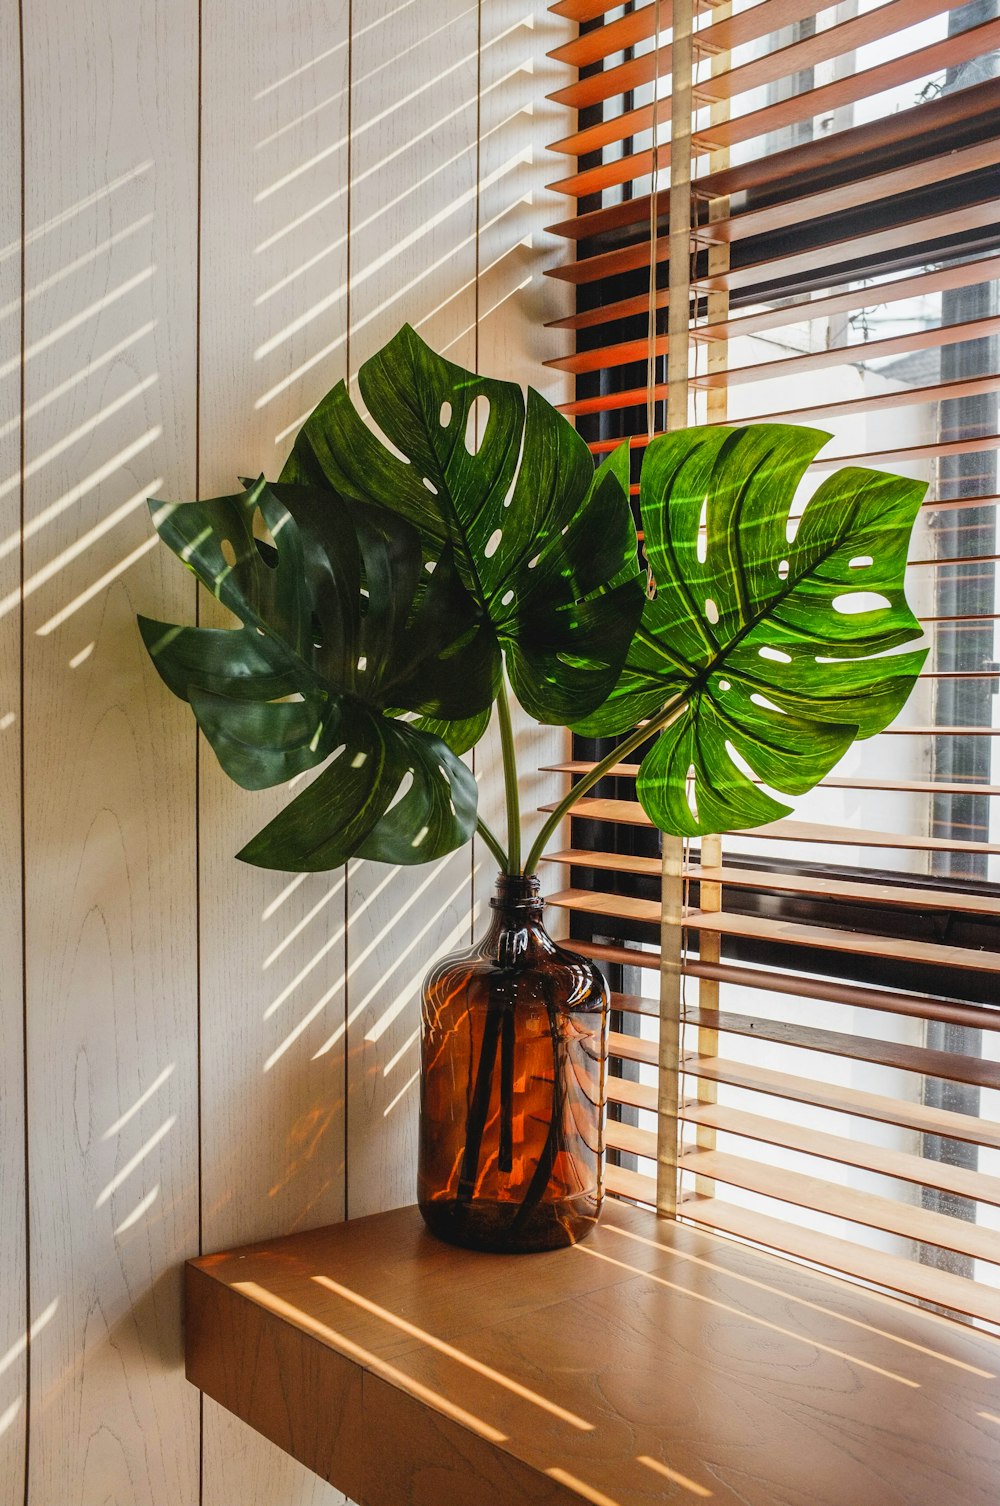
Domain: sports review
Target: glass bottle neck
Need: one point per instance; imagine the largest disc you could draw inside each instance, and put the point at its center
(518, 893)
(516, 923)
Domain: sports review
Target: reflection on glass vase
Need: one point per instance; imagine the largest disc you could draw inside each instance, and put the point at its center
(512, 1086)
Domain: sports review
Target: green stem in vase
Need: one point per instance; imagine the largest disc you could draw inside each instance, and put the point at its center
(505, 1159)
(628, 745)
(542, 1174)
(493, 843)
(510, 782)
(475, 1122)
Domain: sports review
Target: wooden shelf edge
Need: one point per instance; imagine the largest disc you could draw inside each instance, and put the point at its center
(403, 1370)
(323, 1400)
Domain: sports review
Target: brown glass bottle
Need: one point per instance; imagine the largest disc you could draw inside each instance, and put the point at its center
(512, 1086)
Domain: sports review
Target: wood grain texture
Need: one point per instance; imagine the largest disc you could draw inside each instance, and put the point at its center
(654, 1363)
(13, 1297)
(130, 831)
(514, 300)
(111, 212)
(273, 341)
(412, 259)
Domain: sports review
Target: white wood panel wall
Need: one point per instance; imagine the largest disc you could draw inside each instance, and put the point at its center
(413, 258)
(110, 183)
(226, 206)
(273, 311)
(13, 1251)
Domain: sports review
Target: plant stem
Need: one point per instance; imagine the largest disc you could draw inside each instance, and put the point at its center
(505, 1157)
(628, 745)
(493, 843)
(545, 1165)
(475, 1119)
(509, 782)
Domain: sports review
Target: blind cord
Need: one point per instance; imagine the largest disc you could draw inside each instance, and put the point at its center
(654, 187)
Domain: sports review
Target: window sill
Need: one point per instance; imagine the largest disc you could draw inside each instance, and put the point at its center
(654, 1363)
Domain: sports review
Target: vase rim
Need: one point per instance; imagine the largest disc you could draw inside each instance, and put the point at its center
(517, 888)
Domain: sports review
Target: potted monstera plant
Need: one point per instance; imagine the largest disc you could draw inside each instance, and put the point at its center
(386, 594)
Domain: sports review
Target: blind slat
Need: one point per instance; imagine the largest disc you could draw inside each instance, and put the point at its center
(921, 1118)
(902, 895)
(630, 1184)
(851, 1101)
(848, 1203)
(832, 782)
(857, 145)
(896, 1274)
(859, 242)
(857, 996)
(589, 10)
(833, 991)
(794, 366)
(802, 209)
(777, 63)
(959, 1181)
(631, 813)
(633, 1095)
(899, 455)
(632, 1048)
(952, 52)
(628, 1138)
(782, 932)
(939, 279)
(949, 1066)
(721, 36)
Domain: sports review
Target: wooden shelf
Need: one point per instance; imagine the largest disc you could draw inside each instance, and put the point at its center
(656, 1363)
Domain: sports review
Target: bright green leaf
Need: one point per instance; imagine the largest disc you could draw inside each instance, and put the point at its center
(752, 635)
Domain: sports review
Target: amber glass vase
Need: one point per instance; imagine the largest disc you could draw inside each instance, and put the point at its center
(512, 1086)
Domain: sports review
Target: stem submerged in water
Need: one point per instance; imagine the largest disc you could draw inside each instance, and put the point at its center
(546, 1161)
(505, 1158)
(479, 1107)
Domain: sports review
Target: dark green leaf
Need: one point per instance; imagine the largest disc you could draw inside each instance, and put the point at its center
(435, 814)
(537, 537)
(263, 743)
(459, 735)
(237, 662)
(344, 628)
(348, 809)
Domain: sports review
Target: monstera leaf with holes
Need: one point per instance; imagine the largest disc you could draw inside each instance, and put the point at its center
(769, 642)
(343, 632)
(544, 544)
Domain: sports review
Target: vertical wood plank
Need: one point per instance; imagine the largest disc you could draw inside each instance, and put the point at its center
(13, 1299)
(273, 341)
(111, 212)
(515, 299)
(412, 259)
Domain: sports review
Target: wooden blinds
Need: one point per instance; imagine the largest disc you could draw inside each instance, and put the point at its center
(838, 1092)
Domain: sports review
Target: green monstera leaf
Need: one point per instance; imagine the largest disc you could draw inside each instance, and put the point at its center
(345, 634)
(543, 542)
(768, 639)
